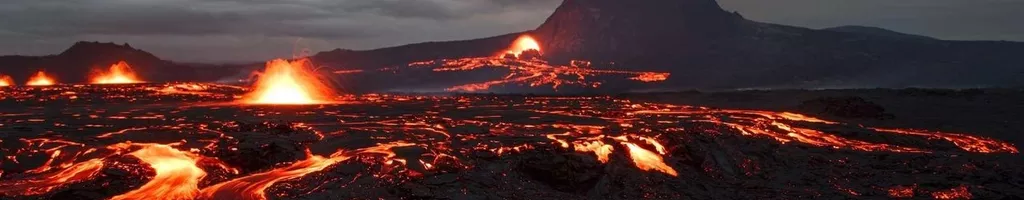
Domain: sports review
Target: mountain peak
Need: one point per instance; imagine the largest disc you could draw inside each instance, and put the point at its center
(86, 47)
(616, 28)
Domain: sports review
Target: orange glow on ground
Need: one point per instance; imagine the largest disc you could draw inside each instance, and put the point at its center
(119, 73)
(523, 43)
(41, 79)
(6, 81)
(289, 83)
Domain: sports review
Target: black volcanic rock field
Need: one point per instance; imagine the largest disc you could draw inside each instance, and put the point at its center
(194, 141)
(606, 99)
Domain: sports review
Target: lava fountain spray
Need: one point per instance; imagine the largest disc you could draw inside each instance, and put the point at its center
(41, 79)
(522, 44)
(119, 73)
(6, 81)
(289, 83)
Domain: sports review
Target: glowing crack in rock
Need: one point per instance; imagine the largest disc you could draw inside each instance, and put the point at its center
(289, 83)
(119, 73)
(41, 79)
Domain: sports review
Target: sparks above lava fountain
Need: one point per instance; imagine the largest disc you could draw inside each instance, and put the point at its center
(289, 83)
(119, 73)
(40, 79)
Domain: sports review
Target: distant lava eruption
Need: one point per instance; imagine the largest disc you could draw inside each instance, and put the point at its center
(41, 79)
(119, 73)
(6, 81)
(290, 83)
(522, 44)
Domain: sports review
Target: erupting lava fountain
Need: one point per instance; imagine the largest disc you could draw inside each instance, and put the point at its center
(523, 43)
(40, 79)
(289, 83)
(6, 81)
(119, 73)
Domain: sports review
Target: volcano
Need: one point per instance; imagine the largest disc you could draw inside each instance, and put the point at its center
(75, 64)
(707, 47)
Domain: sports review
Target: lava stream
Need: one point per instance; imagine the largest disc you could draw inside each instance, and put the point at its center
(599, 148)
(44, 183)
(40, 79)
(531, 71)
(289, 83)
(177, 176)
(254, 186)
(647, 160)
(119, 73)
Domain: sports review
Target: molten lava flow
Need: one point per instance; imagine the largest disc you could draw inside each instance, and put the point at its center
(40, 79)
(284, 82)
(6, 81)
(177, 176)
(651, 77)
(522, 44)
(254, 186)
(46, 182)
(119, 73)
(599, 148)
(966, 142)
(531, 71)
(647, 160)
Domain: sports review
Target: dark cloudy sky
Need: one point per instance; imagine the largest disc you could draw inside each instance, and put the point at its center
(250, 30)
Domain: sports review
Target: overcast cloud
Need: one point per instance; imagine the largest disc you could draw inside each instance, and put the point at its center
(250, 30)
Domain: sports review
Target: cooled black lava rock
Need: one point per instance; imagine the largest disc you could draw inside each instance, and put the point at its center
(848, 107)
(569, 172)
(261, 146)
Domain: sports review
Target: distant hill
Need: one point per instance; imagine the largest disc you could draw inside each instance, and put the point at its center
(704, 46)
(877, 32)
(78, 62)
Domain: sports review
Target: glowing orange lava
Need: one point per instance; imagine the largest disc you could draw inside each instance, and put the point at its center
(651, 77)
(177, 176)
(44, 183)
(119, 73)
(40, 79)
(523, 43)
(959, 192)
(289, 83)
(6, 81)
(599, 148)
(647, 160)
